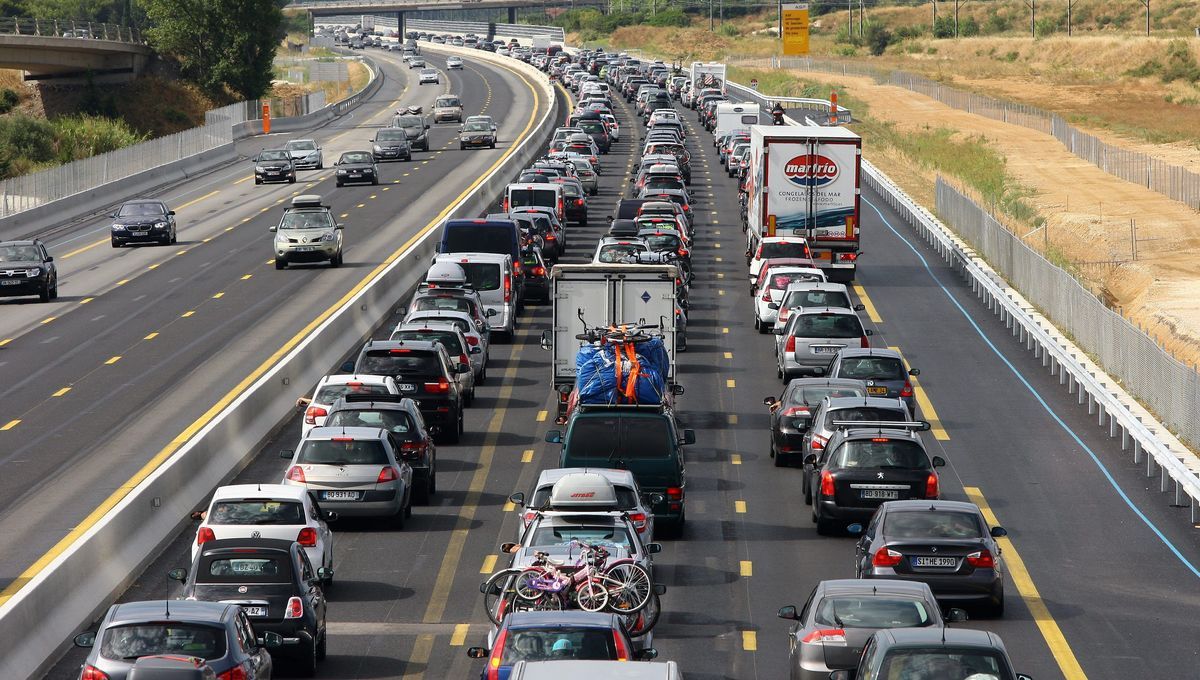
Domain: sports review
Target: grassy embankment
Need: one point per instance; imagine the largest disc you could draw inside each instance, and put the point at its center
(291, 48)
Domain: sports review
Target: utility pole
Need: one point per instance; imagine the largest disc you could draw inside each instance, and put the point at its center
(933, 26)
(861, 11)
(711, 26)
(1147, 4)
(1032, 5)
(850, 18)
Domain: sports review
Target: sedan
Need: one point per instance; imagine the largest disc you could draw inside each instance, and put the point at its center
(946, 545)
(453, 62)
(306, 153)
(357, 167)
(791, 412)
(933, 653)
(274, 165)
(143, 221)
(416, 62)
(391, 144)
(428, 76)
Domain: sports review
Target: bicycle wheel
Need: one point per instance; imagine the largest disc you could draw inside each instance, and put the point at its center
(642, 622)
(629, 587)
(499, 594)
(591, 596)
(525, 583)
(548, 602)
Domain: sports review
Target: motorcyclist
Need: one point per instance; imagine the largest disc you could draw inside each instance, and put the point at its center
(777, 114)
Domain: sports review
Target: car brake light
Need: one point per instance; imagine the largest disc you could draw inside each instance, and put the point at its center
(784, 314)
(312, 413)
(504, 206)
(539, 271)
(307, 537)
(827, 483)
(472, 340)
(766, 294)
(442, 386)
(341, 439)
(493, 667)
(982, 560)
(235, 673)
(886, 557)
(507, 289)
(529, 515)
(675, 493)
(296, 474)
(622, 650)
(579, 201)
(412, 450)
(399, 351)
(90, 672)
(907, 390)
(204, 535)
(880, 440)
(387, 474)
(826, 636)
(931, 485)
(355, 384)
(848, 257)
(795, 411)
(295, 608)
(551, 237)
(864, 342)
(791, 344)
(639, 521)
(463, 359)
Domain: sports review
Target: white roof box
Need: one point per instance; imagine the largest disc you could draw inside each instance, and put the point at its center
(583, 490)
(446, 274)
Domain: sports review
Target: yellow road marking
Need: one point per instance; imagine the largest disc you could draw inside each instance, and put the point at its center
(736, 459)
(724, 330)
(927, 409)
(247, 178)
(739, 507)
(460, 634)
(360, 205)
(188, 313)
(527, 456)
(153, 266)
(747, 568)
(509, 506)
(866, 300)
(47, 320)
(247, 276)
(218, 296)
(181, 252)
(718, 259)
(716, 245)
(720, 275)
(730, 383)
(86, 300)
(194, 201)
(489, 565)
(122, 282)
(5, 341)
(1051, 633)
(729, 355)
(721, 291)
(112, 361)
(541, 416)
(733, 419)
(61, 392)
(749, 640)
(10, 425)
(151, 336)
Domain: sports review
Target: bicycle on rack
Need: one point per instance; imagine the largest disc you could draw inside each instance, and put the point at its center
(593, 582)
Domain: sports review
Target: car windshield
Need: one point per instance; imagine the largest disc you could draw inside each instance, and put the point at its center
(150, 639)
(404, 362)
(256, 512)
(558, 642)
(308, 219)
(392, 420)
(932, 524)
(330, 393)
(428, 71)
(408, 121)
(274, 156)
(391, 135)
(477, 127)
(447, 101)
(454, 304)
(142, 210)
(616, 438)
(244, 569)
(782, 281)
(871, 612)
(871, 368)
(884, 453)
(621, 253)
(817, 298)
(944, 664)
(343, 451)
(358, 157)
(302, 145)
(828, 326)
(20, 254)
(562, 534)
(783, 249)
(449, 339)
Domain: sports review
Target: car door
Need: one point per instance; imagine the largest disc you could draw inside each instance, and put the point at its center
(312, 591)
(323, 531)
(257, 655)
(862, 550)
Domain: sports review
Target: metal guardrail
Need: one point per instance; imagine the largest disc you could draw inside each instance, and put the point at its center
(63, 28)
(844, 115)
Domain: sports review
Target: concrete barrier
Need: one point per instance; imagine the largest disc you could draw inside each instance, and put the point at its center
(78, 584)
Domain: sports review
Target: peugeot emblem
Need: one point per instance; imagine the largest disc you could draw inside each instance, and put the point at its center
(255, 534)
(242, 589)
(879, 474)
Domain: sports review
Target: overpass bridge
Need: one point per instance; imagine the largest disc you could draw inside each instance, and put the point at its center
(401, 8)
(55, 50)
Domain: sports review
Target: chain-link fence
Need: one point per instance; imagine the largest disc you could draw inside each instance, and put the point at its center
(1172, 181)
(1168, 387)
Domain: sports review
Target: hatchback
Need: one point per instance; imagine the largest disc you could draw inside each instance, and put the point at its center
(537, 636)
(933, 653)
(884, 370)
(813, 336)
(402, 418)
(792, 412)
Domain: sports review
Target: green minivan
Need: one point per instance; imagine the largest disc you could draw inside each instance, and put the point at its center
(642, 439)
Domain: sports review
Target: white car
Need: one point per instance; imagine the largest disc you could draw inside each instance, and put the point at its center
(287, 513)
(428, 76)
(332, 387)
(613, 250)
(305, 153)
(614, 128)
(777, 246)
(800, 295)
(768, 297)
(476, 337)
(588, 490)
(454, 62)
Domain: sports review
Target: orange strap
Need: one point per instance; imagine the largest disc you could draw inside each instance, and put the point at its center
(635, 369)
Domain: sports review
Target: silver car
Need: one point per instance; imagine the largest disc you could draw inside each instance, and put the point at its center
(461, 320)
(354, 471)
(447, 107)
(810, 294)
(813, 336)
(306, 153)
(307, 232)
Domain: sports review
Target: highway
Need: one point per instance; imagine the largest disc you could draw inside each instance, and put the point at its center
(1100, 569)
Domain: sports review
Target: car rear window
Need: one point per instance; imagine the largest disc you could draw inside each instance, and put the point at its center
(449, 339)
(943, 662)
(662, 242)
(813, 395)
(863, 414)
(244, 569)
(828, 326)
(888, 453)
(151, 639)
(871, 612)
(463, 239)
(563, 533)
(782, 281)
(524, 644)
(330, 393)
(817, 298)
(932, 524)
(615, 437)
(451, 303)
(343, 452)
(402, 362)
(522, 197)
(460, 324)
(592, 127)
(663, 183)
(482, 276)
(871, 368)
(394, 421)
(785, 249)
(265, 512)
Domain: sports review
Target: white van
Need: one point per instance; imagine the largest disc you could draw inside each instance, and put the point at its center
(731, 116)
(492, 276)
(520, 195)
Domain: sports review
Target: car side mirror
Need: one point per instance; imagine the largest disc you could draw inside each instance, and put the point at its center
(427, 126)
(938, 461)
(508, 547)
(647, 654)
(178, 575)
(460, 129)
(339, 225)
(477, 652)
(789, 612)
(170, 212)
(689, 437)
(998, 532)
(272, 228)
(677, 389)
(554, 436)
(819, 370)
(494, 127)
(656, 498)
(491, 312)
(324, 573)
(769, 401)
(868, 331)
(462, 368)
(914, 372)
(772, 305)
(654, 548)
(859, 308)
(810, 459)
(85, 640)
(286, 453)
(517, 499)
(271, 640)
(49, 258)
(477, 350)
(854, 529)
(956, 615)
(348, 367)
(1022, 676)
(841, 675)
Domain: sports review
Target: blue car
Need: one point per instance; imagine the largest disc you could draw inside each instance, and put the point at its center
(555, 635)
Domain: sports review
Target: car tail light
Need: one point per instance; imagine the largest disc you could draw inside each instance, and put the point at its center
(622, 649)
(847, 257)
(886, 557)
(864, 342)
(295, 608)
(307, 537)
(560, 206)
(504, 206)
(785, 313)
(819, 442)
(539, 271)
(827, 484)
(639, 521)
(826, 636)
(90, 672)
(550, 237)
(766, 297)
(529, 515)
(204, 535)
(463, 359)
(931, 485)
(387, 474)
(411, 450)
(442, 386)
(579, 201)
(235, 673)
(472, 340)
(507, 289)
(493, 667)
(517, 267)
(795, 411)
(982, 560)
(674, 493)
(907, 390)
(312, 413)
(791, 344)
(682, 252)
(296, 474)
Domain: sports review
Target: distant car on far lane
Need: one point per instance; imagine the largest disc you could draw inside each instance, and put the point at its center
(454, 62)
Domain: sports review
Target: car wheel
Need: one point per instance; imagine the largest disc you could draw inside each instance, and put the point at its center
(306, 666)
(257, 180)
(54, 289)
(455, 434)
(824, 526)
(470, 399)
(44, 296)
(425, 490)
(116, 243)
(995, 609)
(280, 263)
(808, 500)
(408, 502)
(397, 520)
(780, 461)
(462, 147)
(482, 375)
(492, 145)
(375, 181)
(321, 166)
(322, 643)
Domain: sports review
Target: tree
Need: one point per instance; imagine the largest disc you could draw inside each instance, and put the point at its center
(221, 45)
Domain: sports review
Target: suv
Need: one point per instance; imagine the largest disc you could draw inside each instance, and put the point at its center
(947, 652)
(422, 370)
(355, 471)
(415, 129)
(493, 277)
(401, 417)
(308, 232)
(645, 440)
(391, 144)
(274, 165)
(26, 268)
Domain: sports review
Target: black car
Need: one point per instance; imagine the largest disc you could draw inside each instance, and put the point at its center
(932, 652)
(26, 268)
(400, 416)
(274, 165)
(946, 545)
(575, 203)
(143, 221)
(275, 585)
(537, 277)
(415, 128)
(792, 412)
(422, 370)
(357, 167)
(391, 144)
(861, 468)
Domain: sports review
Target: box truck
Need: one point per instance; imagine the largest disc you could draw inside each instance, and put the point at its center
(805, 181)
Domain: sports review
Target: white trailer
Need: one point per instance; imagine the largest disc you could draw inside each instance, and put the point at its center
(732, 116)
(708, 75)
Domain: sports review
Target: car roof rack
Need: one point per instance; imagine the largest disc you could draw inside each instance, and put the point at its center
(914, 425)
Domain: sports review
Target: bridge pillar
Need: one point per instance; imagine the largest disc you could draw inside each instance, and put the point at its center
(512, 15)
(400, 26)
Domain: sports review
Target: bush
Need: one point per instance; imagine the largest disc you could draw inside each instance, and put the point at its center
(8, 100)
(968, 28)
(877, 37)
(1046, 26)
(996, 23)
(943, 27)
(728, 30)
(671, 17)
(909, 32)
(1181, 64)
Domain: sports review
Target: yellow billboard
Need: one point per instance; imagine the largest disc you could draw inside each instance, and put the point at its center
(794, 19)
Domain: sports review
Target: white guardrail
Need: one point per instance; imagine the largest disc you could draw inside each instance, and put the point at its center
(77, 585)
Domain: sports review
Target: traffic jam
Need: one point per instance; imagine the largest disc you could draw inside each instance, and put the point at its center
(576, 592)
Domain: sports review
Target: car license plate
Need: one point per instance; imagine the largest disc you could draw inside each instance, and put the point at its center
(825, 350)
(273, 172)
(356, 174)
(876, 390)
(139, 233)
(943, 562)
(304, 249)
(407, 387)
(879, 494)
(255, 611)
(339, 495)
(11, 282)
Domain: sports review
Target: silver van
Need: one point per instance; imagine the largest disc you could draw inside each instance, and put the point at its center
(492, 276)
(813, 336)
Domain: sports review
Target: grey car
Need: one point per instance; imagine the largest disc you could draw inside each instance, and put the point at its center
(355, 471)
(415, 128)
(840, 616)
(219, 633)
(391, 144)
(830, 410)
(307, 232)
(476, 135)
(306, 153)
(884, 370)
(813, 336)
(792, 413)
(949, 653)
(946, 545)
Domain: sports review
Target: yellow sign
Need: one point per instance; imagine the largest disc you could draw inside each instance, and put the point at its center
(794, 18)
